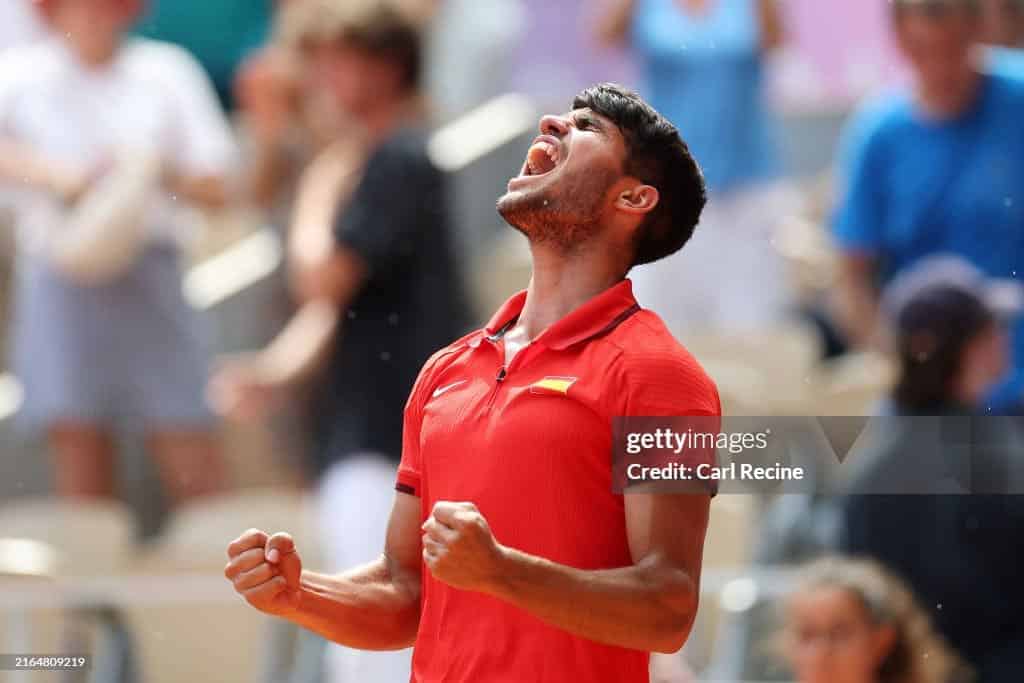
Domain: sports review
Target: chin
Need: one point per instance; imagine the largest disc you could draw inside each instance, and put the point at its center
(512, 203)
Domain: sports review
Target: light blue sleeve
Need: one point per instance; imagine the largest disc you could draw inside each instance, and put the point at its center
(857, 224)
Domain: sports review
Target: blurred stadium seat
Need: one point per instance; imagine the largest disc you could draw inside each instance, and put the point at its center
(224, 641)
(854, 384)
(728, 546)
(762, 372)
(94, 537)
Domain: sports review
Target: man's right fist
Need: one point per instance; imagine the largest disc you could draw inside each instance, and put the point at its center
(265, 570)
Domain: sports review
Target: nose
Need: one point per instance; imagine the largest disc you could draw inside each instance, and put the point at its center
(557, 126)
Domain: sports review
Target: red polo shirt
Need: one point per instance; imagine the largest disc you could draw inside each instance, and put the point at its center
(530, 445)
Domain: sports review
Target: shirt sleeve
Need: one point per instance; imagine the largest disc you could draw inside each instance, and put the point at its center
(662, 385)
(399, 196)
(858, 220)
(410, 468)
(203, 142)
(669, 391)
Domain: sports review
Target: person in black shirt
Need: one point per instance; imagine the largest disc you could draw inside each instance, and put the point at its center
(937, 494)
(377, 298)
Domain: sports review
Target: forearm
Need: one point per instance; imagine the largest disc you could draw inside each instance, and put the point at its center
(364, 608)
(858, 302)
(303, 345)
(647, 606)
(20, 165)
(207, 192)
(270, 168)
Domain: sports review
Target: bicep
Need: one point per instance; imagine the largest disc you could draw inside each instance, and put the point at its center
(668, 527)
(403, 544)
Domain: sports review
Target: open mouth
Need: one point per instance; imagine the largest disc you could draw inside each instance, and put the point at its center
(543, 157)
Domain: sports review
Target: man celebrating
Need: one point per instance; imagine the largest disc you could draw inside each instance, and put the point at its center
(509, 557)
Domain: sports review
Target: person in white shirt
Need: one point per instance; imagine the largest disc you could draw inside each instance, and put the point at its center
(128, 348)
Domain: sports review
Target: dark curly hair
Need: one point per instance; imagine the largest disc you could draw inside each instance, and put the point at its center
(656, 155)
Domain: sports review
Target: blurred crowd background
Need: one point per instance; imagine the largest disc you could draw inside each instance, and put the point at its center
(232, 231)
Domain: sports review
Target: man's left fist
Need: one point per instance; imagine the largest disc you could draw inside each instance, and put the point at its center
(460, 549)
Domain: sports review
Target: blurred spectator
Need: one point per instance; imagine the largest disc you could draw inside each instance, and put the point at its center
(387, 283)
(951, 340)
(219, 34)
(850, 621)
(286, 119)
(128, 347)
(703, 63)
(936, 169)
(936, 499)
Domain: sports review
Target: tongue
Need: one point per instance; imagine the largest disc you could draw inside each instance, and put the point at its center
(539, 161)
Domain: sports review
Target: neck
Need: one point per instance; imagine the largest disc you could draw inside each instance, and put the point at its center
(381, 121)
(561, 283)
(951, 98)
(94, 55)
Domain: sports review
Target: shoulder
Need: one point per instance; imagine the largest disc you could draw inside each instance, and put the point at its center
(161, 60)
(406, 148)
(657, 372)
(879, 119)
(30, 64)
(444, 357)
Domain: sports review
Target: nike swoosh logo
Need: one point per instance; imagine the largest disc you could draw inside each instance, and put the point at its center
(447, 388)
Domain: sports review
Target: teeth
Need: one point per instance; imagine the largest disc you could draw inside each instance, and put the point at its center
(534, 165)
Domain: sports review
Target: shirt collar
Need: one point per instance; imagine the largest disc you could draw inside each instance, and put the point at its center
(600, 314)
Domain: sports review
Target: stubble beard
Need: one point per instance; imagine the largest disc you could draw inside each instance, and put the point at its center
(566, 219)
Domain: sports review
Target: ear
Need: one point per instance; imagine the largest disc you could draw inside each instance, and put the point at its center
(637, 199)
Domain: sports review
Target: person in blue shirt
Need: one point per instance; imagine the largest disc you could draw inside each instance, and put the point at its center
(938, 168)
(703, 66)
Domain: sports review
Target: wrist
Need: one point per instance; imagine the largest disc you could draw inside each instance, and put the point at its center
(499, 583)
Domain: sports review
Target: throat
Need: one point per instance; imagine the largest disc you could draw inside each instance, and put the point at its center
(515, 340)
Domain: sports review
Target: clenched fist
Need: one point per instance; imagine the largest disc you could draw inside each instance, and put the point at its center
(459, 548)
(265, 570)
